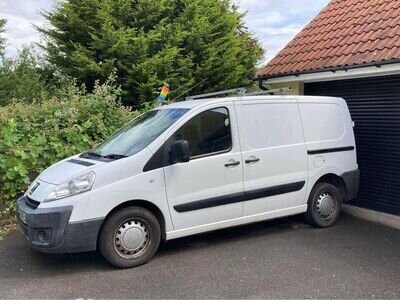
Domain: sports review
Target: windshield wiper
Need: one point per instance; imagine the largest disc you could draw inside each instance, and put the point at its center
(91, 154)
(114, 156)
(109, 156)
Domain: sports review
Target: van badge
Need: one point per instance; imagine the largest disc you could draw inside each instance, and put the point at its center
(34, 188)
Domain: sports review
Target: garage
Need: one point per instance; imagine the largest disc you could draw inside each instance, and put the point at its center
(375, 108)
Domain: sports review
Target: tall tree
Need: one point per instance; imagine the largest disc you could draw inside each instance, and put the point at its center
(22, 78)
(2, 38)
(148, 42)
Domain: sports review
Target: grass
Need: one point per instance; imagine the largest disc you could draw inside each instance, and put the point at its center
(8, 222)
(6, 226)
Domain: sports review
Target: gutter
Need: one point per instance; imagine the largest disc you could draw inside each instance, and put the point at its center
(332, 69)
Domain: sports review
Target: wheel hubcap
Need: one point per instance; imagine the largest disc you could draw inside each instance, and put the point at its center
(326, 206)
(131, 238)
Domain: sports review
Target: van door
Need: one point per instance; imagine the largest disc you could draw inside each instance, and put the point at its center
(208, 188)
(274, 155)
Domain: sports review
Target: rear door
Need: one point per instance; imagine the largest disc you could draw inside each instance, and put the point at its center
(274, 155)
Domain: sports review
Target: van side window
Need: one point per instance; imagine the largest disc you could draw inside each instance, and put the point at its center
(207, 133)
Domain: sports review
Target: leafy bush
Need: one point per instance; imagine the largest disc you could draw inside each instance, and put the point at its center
(34, 136)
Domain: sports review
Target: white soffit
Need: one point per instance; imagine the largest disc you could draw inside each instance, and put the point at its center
(372, 71)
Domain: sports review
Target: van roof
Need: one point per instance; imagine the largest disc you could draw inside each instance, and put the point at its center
(189, 104)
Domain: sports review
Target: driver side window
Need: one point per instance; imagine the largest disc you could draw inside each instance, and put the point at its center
(207, 133)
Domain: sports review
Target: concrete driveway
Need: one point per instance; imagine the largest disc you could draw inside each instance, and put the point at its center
(278, 259)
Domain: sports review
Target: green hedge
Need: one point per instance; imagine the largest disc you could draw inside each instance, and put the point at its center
(34, 136)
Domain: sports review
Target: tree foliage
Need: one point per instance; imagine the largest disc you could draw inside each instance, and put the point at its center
(21, 78)
(25, 77)
(2, 38)
(28, 78)
(182, 42)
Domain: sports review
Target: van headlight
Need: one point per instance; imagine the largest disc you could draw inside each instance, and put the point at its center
(74, 186)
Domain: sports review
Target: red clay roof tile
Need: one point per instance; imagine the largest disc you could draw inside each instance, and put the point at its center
(345, 33)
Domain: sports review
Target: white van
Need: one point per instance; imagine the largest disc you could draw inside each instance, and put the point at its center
(192, 167)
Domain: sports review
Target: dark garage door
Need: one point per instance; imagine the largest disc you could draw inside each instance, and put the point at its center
(375, 107)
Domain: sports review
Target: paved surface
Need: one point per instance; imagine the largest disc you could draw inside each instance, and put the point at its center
(277, 259)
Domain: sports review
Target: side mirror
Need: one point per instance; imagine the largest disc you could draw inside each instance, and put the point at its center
(180, 151)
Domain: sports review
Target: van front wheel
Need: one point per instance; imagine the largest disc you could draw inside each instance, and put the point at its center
(324, 205)
(130, 237)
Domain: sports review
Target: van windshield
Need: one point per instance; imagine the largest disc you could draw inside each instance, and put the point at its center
(137, 134)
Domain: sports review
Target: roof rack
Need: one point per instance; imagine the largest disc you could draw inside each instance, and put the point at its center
(241, 92)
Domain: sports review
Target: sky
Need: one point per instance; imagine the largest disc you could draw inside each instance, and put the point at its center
(273, 22)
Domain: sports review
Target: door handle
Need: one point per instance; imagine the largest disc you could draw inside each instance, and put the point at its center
(232, 163)
(252, 159)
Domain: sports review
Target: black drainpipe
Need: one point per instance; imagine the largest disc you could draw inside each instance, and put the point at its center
(261, 85)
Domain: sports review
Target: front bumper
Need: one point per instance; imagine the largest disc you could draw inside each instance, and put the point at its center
(48, 229)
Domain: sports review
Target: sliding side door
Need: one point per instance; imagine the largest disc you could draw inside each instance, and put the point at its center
(274, 156)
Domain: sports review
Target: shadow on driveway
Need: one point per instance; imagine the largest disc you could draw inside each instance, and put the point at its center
(275, 259)
(93, 261)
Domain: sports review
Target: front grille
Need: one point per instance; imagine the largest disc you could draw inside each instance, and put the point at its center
(31, 203)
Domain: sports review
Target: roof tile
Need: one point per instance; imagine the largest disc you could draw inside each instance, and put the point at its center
(346, 32)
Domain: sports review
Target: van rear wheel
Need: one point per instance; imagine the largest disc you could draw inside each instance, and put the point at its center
(130, 237)
(324, 205)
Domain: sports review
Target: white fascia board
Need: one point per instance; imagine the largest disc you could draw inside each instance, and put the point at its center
(372, 71)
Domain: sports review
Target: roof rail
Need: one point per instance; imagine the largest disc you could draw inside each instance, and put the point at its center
(281, 91)
(241, 92)
(238, 91)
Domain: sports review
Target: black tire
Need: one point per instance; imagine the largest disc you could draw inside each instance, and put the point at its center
(324, 205)
(133, 227)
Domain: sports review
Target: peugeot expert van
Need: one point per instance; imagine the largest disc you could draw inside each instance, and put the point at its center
(192, 167)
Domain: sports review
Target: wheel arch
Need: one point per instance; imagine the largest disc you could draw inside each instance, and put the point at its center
(336, 180)
(154, 209)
